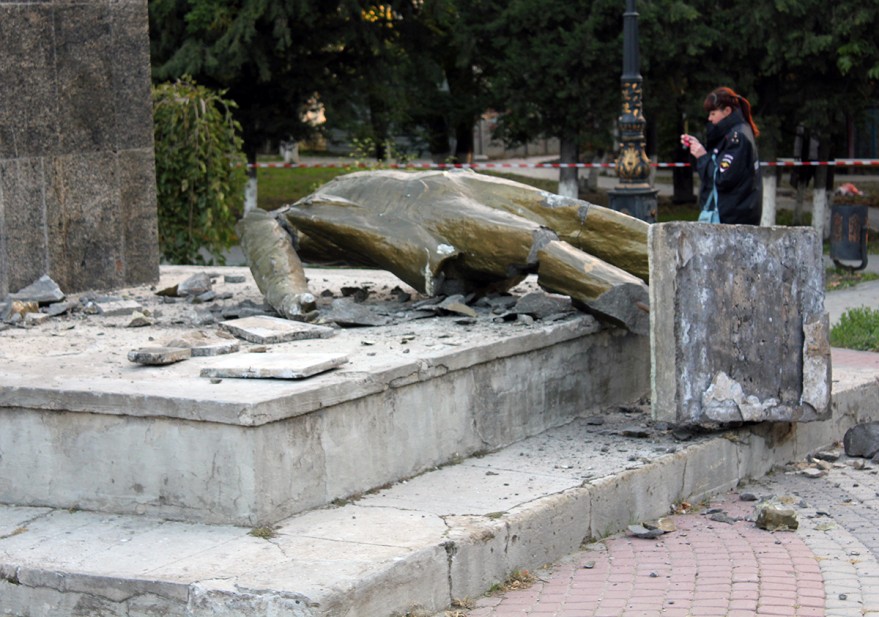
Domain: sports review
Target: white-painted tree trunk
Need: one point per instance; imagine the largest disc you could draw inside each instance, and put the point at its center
(250, 194)
(290, 151)
(568, 153)
(770, 182)
(820, 213)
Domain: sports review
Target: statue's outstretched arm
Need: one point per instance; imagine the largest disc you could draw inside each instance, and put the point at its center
(594, 285)
(276, 267)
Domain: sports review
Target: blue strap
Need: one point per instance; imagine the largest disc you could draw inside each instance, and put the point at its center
(711, 204)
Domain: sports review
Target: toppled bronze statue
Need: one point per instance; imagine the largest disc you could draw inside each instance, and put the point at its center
(448, 232)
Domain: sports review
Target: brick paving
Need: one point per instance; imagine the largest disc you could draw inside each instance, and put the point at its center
(712, 568)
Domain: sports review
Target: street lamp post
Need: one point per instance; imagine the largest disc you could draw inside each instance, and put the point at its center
(634, 195)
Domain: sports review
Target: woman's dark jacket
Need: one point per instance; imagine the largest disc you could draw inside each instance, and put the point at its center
(739, 183)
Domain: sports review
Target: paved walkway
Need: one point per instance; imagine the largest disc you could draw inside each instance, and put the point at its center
(717, 563)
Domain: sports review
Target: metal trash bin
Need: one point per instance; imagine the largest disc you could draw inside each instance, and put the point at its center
(848, 235)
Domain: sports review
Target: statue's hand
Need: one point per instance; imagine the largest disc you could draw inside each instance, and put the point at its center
(296, 306)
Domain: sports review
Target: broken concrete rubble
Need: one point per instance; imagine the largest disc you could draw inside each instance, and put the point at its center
(159, 356)
(274, 366)
(42, 291)
(862, 440)
(776, 517)
(214, 321)
(267, 330)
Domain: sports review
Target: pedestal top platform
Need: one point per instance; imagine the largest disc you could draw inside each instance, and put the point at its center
(79, 361)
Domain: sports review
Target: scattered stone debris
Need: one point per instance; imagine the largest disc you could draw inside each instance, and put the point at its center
(357, 294)
(206, 319)
(722, 517)
(776, 517)
(401, 296)
(35, 319)
(202, 345)
(274, 366)
(645, 533)
(831, 456)
(140, 320)
(113, 308)
(196, 285)
(653, 529)
(42, 291)
(813, 472)
(543, 306)
(349, 312)
(457, 304)
(58, 308)
(862, 440)
(159, 356)
(266, 330)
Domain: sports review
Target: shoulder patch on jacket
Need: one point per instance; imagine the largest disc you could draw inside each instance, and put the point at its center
(725, 162)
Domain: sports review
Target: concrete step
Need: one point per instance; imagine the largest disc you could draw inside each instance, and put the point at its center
(447, 534)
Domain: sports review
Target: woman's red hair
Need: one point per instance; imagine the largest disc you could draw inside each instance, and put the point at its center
(723, 97)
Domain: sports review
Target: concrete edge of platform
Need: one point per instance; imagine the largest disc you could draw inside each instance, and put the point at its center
(248, 402)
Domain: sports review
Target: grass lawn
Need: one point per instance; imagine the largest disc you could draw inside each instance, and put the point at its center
(280, 186)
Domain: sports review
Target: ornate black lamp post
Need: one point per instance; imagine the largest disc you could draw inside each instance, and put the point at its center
(633, 195)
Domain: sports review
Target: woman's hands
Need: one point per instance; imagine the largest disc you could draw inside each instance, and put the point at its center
(693, 144)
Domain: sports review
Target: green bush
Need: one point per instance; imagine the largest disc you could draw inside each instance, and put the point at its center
(201, 171)
(858, 328)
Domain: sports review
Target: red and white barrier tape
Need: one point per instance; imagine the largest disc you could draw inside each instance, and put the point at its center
(836, 163)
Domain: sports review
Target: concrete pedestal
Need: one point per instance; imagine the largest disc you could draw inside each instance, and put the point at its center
(738, 328)
(77, 171)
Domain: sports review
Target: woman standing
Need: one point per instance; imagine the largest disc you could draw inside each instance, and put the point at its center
(729, 162)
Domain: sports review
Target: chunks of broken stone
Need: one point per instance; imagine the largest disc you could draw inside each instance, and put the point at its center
(193, 345)
(273, 366)
(862, 440)
(159, 356)
(652, 529)
(23, 306)
(115, 308)
(42, 291)
(202, 345)
(348, 312)
(776, 517)
(264, 329)
(196, 285)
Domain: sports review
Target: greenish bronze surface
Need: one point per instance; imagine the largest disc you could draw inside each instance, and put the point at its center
(275, 266)
(445, 232)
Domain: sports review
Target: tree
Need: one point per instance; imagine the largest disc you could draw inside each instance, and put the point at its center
(271, 56)
(555, 72)
(199, 171)
(444, 78)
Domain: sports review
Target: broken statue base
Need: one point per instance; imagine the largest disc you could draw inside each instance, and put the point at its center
(738, 328)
